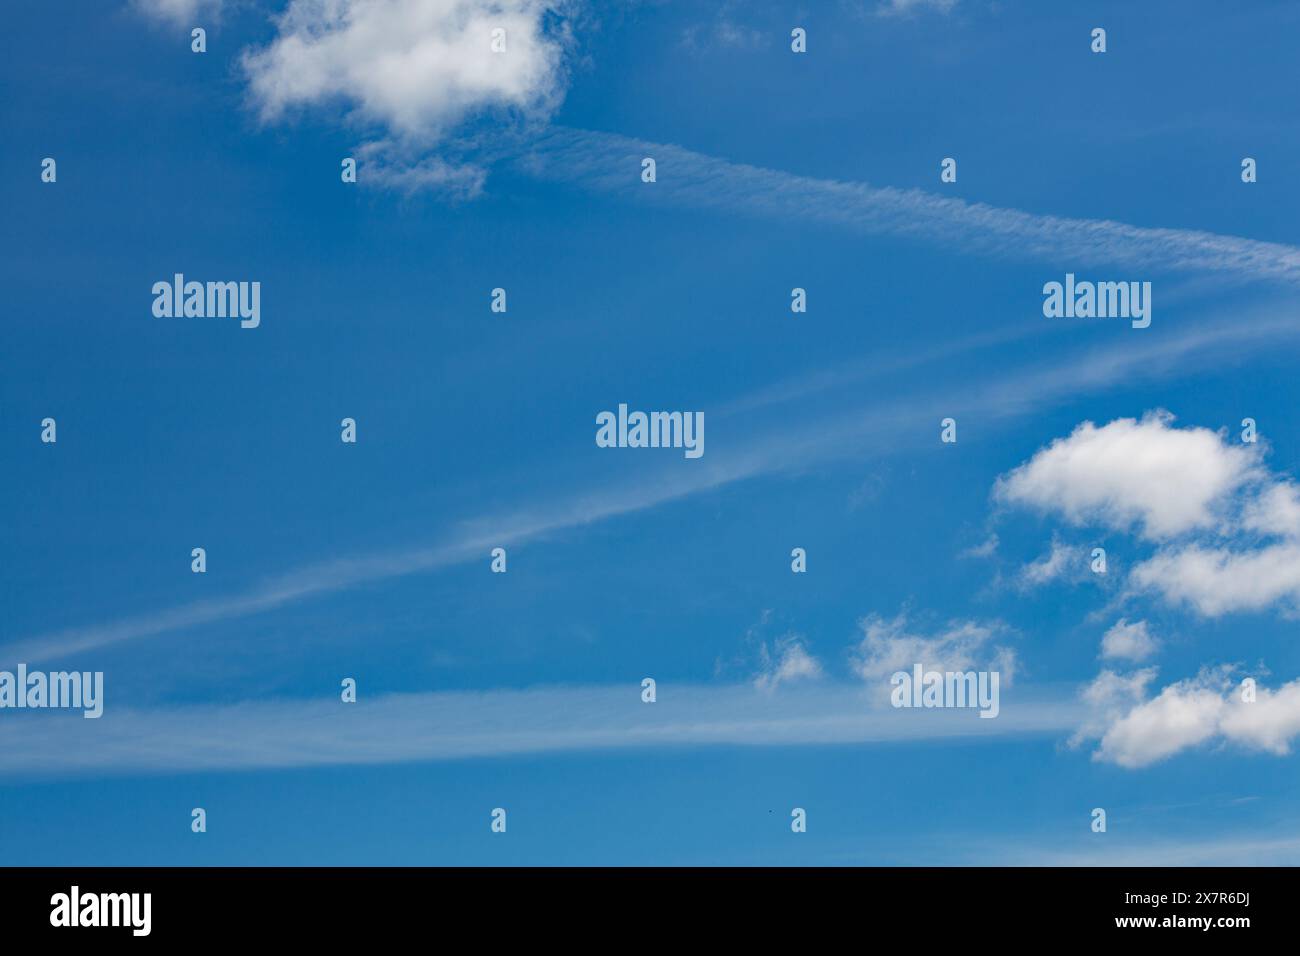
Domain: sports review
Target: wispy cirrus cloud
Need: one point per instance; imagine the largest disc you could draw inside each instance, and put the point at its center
(1248, 848)
(611, 163)
(784, 447)
(178, 12)
(894, 8)
(399, 728)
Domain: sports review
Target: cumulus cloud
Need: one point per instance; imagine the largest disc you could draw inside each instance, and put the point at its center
(1180, 716)
(789, 662)
(1136, 731)
(414, 72)
(1267, 724)
(417, 67)
(1108, 698)
(1275, 512)
(1226, 532)
(888, 646)
(1215, 581)
(1142, 475)
(1127, 641)
(1227, 529)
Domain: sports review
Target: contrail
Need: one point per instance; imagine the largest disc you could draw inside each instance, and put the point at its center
(610, 163)
(459, 725)
(733, 458)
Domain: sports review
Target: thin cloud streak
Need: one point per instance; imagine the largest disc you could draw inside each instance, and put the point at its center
(608, 162)
(399, 728)
(1248, 849)
(784, 449)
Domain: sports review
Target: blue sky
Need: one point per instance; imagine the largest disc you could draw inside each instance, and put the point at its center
(775, 170)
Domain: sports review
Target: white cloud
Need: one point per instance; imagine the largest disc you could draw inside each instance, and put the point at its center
(888, 646)
(1267, 724)
(417, 69)
(1136, 732)
(984, 549)
(1180, 716)
(1108, 698)
(791, 662)
(180, 12)
(1276, 512)
(1054, 564)
(1128, 641)
(1215, 581)
(1129, 474)
(1229, 529)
